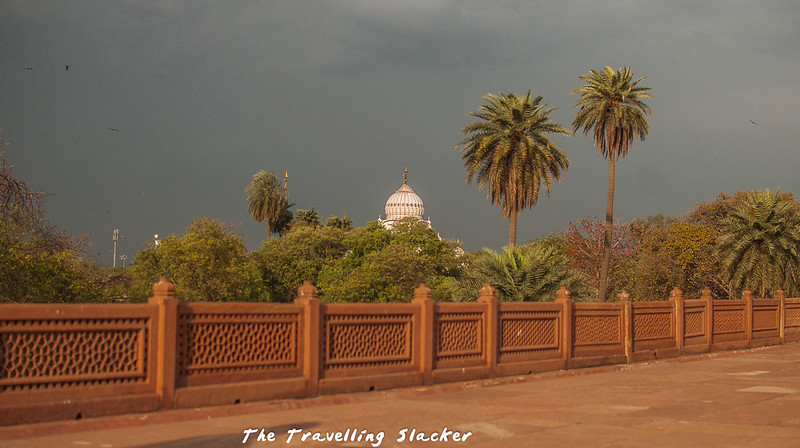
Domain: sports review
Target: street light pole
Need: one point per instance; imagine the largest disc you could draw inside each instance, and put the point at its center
(115, 238)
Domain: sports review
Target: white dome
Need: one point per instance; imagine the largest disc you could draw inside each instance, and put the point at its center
(404, 203)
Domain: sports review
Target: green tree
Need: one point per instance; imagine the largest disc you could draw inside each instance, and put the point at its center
(206, 263)
(759, 246)
(530, 273)
(31, 273)
(285, 263)
(307, 218)
(267, 202)
(508, 152)
(38, 263)
(611, 104)
(340, 222)
(386, 265)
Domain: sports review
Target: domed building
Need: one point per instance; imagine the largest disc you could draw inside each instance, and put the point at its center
(403, 203)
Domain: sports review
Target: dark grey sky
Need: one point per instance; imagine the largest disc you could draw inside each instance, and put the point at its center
(343, 94)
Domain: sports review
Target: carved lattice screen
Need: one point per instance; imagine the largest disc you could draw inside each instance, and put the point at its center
(71, 346)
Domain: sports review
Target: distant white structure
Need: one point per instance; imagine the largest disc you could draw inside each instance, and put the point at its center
(403, 203)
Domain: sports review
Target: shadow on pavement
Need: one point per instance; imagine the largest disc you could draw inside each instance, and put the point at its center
(231, 439)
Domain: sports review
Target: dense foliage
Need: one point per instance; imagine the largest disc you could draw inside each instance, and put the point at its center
(584, 241)
(39, 263)
(529, 273)
(759, 245)
(744, 240)
(207, 263)
(386, 265)
(283, 264)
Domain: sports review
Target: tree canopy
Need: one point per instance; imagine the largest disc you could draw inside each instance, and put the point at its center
(38, 262)
(759, 245)
(508, 151)
(207, 263)
(529, 273)
(267, 202)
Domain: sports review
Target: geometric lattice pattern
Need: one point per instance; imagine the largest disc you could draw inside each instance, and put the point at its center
(652, 326)
(792, 317)
(458, 336)
(597, 330)
(217, 343)
(694, 324)
(766, 319)
(358, 341)
(728, 321)
(60, 353)
(528, 331)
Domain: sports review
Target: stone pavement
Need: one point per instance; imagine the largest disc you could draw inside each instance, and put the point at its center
(746, 398)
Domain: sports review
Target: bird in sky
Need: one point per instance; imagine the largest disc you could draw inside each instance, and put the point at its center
(66, 67)
(113, 129)
(751, 121)
(29, 68)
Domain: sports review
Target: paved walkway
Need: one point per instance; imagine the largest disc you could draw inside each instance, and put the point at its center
(748, 398)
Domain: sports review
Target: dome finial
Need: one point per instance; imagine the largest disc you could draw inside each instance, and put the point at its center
(405, 174)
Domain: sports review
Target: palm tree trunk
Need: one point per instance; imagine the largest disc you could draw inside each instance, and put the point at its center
(512, 228)
(604, 263)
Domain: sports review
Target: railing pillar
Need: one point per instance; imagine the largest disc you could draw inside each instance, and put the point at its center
(627, 324)
(167, 343)
(709, 323)
(780, 295)
(422, 298)
(487, 296)
(311, 350)
(676, 297)
(562, 297)
(747, 296)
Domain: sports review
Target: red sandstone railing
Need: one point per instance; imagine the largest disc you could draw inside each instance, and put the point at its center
(71, 361)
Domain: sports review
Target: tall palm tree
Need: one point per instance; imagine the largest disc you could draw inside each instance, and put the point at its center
(611, 105)
(759, 246)
(508, 152)
(267, 202)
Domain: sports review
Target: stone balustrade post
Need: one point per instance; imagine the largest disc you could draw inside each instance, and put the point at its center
(312, 328)
(563, 298)
(487, 297)
(627, 324)
(676, 297)
(167, 340)
(747, 296)
(780, 295)
(709, 320)
(422, 299)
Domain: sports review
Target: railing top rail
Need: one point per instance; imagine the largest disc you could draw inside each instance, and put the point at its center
(75, 311)
(529, 306)
(729, 302)
(369, 308)
(598, 305)
(238, 308)
(658, 304)
(458, 307)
